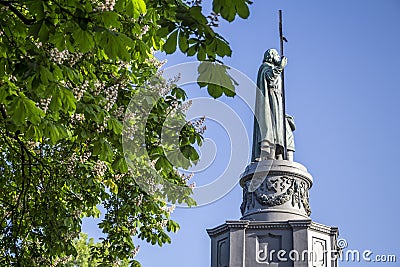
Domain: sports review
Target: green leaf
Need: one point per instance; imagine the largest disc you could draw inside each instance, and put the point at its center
(222, 48)
(229, 8)
(195, 11)
(119, 164)
(183, 42)
(104, 150)
(214, 90)
(163, 163)
(58, 39)
(135, 8)
(34, 132)
(114, 125)
(170, 45)
(54, 132)
(45, 75)
(190, 153)
(23, 109)
(201, 54)
(83, 39)
(110, 19)
(242, 9)
(44, 33)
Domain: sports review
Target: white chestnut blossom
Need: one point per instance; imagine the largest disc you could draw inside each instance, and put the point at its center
(144, 30)
(119, 112)
(184, 107)
(80, 90)
(198, 125)
(57, 56)
(71, 162)
(135, 251)
(85, 157)
(139, 200)
(111, 96)
(185, 177)
(99, 169)
(98, 87)
(102, 127)
(44, 104)
(169, 209)
(77, 117)
(101, 6)
(155, 62)
(74, 58)
(162, 223)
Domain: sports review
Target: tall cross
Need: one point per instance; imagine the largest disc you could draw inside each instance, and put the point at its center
(282, 40)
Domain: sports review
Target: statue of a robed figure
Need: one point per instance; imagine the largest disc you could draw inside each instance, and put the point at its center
(269, 129)
(275, 207)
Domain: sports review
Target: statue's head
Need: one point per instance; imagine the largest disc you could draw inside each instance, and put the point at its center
(272, 56)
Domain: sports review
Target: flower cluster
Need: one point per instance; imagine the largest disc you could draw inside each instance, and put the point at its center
(144, 30)
(123, 64)
(61, 261)
(39, 45)
(119, 112)
(213, 19)
(139, 200)
(71, 162)
(169, 209)
(85, 157)
(135, 251)
(77, 117)
(102, 127)
(185, 177)
(32, 145)
(111, 96)
(163, 86)
(198, 125)
(98, 87)
(184, 107)
(80, 90)
(192, 185)
(12, 78)
(155, 62)
(193, 2)
(44, 104)
(99, 169)
(108, 5)
(57, 56)
(74, 58)
(63, 56)
(162, 223)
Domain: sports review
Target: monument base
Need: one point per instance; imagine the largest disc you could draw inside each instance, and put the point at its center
(275, 190)
(293, 243)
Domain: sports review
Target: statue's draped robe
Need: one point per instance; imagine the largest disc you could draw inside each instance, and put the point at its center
(268, 122)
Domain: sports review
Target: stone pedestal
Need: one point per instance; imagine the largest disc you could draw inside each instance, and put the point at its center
(275, 228)
(275, 190)
(299, 243)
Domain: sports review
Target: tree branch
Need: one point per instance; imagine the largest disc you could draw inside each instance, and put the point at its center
(24, 19)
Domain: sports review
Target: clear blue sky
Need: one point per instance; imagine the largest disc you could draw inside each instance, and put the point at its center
(342, 84)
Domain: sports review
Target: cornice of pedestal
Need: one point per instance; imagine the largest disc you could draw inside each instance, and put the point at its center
(266, 225)
(276, 167)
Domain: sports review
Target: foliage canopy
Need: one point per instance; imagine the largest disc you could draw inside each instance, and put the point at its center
(68, 69)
